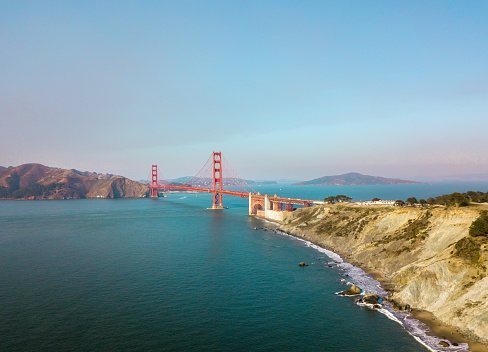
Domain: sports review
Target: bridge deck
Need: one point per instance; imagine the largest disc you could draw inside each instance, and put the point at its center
(239, 194)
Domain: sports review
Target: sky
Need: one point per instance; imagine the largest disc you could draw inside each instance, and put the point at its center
(284, 89)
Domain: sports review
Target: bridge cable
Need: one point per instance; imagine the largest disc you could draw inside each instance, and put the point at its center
(239, 175)
(161, 176)
(203, 174)
(233, 178)
(189, 182)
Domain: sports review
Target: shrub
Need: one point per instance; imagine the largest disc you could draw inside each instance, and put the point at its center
(479, 227)
(468, 249)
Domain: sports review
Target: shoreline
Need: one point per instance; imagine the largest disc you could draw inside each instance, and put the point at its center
(437, 328)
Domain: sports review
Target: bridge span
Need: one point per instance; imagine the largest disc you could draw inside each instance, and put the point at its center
(263, 205)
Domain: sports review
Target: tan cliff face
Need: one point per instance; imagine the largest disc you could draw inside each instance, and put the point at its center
(426, 255)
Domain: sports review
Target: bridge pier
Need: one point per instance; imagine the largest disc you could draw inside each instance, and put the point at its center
(265, 207)
(270, 207)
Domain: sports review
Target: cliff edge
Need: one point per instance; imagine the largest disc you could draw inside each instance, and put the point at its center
(426, 256)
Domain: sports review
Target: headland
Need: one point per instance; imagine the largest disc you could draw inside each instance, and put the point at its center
(424, 257)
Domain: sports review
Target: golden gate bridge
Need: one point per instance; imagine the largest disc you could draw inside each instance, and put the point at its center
(273, 207)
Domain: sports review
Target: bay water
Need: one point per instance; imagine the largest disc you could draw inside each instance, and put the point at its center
(169, 275)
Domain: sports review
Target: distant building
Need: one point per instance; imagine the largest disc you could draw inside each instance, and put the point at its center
(376, 202)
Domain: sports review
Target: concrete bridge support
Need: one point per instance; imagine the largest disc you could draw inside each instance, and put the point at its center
(264, 207)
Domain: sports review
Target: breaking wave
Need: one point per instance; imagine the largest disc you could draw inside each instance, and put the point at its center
(368, 284)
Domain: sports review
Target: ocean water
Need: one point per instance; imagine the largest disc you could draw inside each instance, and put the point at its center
(168, 275)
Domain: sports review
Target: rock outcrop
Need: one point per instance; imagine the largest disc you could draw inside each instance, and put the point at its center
(353, 290)
(425, 256)
(370, 298)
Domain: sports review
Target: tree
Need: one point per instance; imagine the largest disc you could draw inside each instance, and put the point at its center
(479, 227)
(330, 199)
(375, 199)
(399, 203)
(412, 200)
(423, 202)
(342, 198)
(460, 200)
(338, 198)
(5, 192)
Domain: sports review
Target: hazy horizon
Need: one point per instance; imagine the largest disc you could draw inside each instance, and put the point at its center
(423, 179)
(295, 90)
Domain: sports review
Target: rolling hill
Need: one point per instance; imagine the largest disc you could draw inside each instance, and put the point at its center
(36, 181)
(353, 178)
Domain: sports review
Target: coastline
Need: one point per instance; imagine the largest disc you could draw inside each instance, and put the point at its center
(438, 329)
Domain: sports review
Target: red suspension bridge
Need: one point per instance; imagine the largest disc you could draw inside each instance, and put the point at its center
(213, 182)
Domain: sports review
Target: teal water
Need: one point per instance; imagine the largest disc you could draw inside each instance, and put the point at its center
(169, 275)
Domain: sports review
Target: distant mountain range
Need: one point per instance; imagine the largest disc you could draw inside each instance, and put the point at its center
(36, 181)
(207, 182)
(354, 179)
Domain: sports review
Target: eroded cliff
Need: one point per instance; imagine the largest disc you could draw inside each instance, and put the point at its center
(426, 256)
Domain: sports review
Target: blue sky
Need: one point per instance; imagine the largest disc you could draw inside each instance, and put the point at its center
(285, 89)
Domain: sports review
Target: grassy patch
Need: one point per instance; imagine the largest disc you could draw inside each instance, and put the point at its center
(468, 249)
(415, 229)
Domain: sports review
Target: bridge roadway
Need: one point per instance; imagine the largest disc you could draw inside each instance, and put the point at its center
(271, 207)
(259, 204)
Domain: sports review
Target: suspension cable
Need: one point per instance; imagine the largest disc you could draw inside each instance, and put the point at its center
(238, 175)
(160, 174)
(203, 173)
(233, 178)
(189, 182)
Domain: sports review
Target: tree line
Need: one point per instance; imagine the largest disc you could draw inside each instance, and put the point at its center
(453, 199)
(339, 198)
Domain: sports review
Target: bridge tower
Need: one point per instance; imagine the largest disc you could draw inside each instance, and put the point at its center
(217, 181)
(154, 181)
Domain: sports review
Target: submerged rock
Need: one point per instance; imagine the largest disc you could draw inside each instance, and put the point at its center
(302, 264)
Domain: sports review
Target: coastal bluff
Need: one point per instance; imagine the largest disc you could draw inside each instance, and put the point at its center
(424, 256)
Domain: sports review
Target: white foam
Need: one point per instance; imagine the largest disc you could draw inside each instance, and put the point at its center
(389, 315)
(334, 256)
(360, 278)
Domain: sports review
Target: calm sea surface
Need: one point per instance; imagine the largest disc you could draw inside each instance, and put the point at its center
(169, 275)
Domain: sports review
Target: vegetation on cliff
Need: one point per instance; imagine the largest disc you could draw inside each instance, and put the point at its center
(433, 258)
(453, 199)
(35, 181)
(479, 227)
(36, 190)
(469, 248)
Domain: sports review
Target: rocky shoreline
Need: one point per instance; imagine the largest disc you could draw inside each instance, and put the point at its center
(361, 246)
